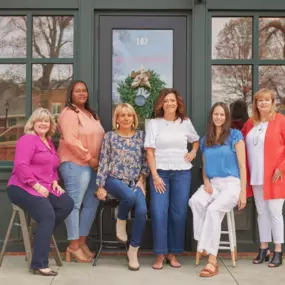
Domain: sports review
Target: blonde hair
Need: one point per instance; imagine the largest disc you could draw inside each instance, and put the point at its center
(258, 95)
(122, 108)
(39, 115)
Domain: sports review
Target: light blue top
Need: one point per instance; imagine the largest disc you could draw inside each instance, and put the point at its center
(221, 160)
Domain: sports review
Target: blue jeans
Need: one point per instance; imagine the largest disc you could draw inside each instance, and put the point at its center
(47, 212)
(129, 198)
(169, 210)
(80, 184)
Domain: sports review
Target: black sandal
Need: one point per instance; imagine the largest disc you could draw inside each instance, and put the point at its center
(263, 255)
(276, 259)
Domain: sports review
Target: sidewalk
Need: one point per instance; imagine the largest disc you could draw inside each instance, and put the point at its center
(112, 270)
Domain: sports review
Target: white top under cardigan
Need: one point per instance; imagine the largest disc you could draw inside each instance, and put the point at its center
(169, 139)
(255, 150)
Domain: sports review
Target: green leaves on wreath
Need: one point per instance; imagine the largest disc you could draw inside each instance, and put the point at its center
(128, 94)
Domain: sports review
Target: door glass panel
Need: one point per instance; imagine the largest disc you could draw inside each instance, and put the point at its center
(136, 51)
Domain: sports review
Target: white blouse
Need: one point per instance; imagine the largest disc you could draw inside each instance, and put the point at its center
(255, 150)
(169, 139)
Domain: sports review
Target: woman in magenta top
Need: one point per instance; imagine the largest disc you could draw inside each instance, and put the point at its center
(34, 187)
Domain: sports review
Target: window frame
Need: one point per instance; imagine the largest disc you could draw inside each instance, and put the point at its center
(29, 60)
(255, 61)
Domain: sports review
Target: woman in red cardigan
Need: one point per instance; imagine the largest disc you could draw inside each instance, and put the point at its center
(264, 134)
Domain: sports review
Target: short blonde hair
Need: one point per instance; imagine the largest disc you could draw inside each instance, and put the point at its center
(258, 95)
(39, 115)
(124, 108)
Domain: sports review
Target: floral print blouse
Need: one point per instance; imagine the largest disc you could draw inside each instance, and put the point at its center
(120, 160)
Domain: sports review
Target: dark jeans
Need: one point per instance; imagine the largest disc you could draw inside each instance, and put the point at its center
(129, 198)
(169, 210)
(47, 212)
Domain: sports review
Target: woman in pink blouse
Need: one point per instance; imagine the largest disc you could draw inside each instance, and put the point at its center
(34, 187)
(79, 149)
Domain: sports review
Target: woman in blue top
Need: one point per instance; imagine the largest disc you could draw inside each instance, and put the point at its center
(224, 175)
(121, 173)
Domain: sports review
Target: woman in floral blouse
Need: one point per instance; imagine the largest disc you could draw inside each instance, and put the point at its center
(121, 173)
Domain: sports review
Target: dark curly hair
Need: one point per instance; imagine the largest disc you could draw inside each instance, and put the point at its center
(69, 102)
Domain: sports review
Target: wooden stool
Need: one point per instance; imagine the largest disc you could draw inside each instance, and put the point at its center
(27, 237)
(231, 244)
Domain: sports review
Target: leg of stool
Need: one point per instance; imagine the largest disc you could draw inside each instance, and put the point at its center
(231, 238)
(100, 237)
(7, 237)
(55, 251)
(198, 257)
(234, 233)
(25, 233)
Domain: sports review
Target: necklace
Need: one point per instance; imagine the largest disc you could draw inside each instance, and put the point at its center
(258, 131)
(127, 137)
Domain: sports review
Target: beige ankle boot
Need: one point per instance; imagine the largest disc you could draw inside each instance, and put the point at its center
(133, 258)
(121, 231)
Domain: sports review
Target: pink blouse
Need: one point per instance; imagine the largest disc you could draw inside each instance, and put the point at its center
(34, 162)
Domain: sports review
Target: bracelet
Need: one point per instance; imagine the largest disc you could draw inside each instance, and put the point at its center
(154, 177)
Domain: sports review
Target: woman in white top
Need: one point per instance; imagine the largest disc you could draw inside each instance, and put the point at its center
(264, 134)
(170, 162)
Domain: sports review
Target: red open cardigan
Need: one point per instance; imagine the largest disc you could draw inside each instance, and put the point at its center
(274, 157)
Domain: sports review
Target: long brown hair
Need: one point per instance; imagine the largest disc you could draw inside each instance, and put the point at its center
(259, 95)
(158, 108)
(211, 139)
(69, 102)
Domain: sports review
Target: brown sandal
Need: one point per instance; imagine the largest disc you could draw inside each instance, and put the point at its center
(210, 272)
(170, 260)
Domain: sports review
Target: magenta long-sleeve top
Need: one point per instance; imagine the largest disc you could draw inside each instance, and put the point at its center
(34, 163)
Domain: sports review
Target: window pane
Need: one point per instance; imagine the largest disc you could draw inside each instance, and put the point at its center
(272, 38)
(231, 82)
(142, 62)
(232, 38)
(53, 37)
(13, 37)
(12, 107)
(273, 78)
(50, 82)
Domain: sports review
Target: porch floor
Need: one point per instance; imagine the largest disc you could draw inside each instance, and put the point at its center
(112, 270)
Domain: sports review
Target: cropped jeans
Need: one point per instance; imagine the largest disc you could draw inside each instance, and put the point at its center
(80, 184)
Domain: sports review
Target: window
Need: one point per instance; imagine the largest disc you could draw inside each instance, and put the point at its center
(248, 54)
(56, 108)
(36, 66)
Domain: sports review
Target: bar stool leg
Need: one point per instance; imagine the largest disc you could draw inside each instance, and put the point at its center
(198, 257)
(56, 252)
(234, 233)
(100, 237)
(7, 237)
(26, 238)
(231, 238)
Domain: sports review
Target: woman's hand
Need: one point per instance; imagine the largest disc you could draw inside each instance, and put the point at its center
(159, 185)
(101, 193)
(93, 162)
(57, 188)
(242, 200)
(141, 185)
(43, 191)
(190, 155)
(208, 187)
(277, 175)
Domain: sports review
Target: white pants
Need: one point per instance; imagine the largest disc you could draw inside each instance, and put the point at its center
(209, 211)
(270, 218)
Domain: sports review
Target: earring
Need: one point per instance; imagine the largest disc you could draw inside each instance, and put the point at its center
(133, 125)
(117, 125)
